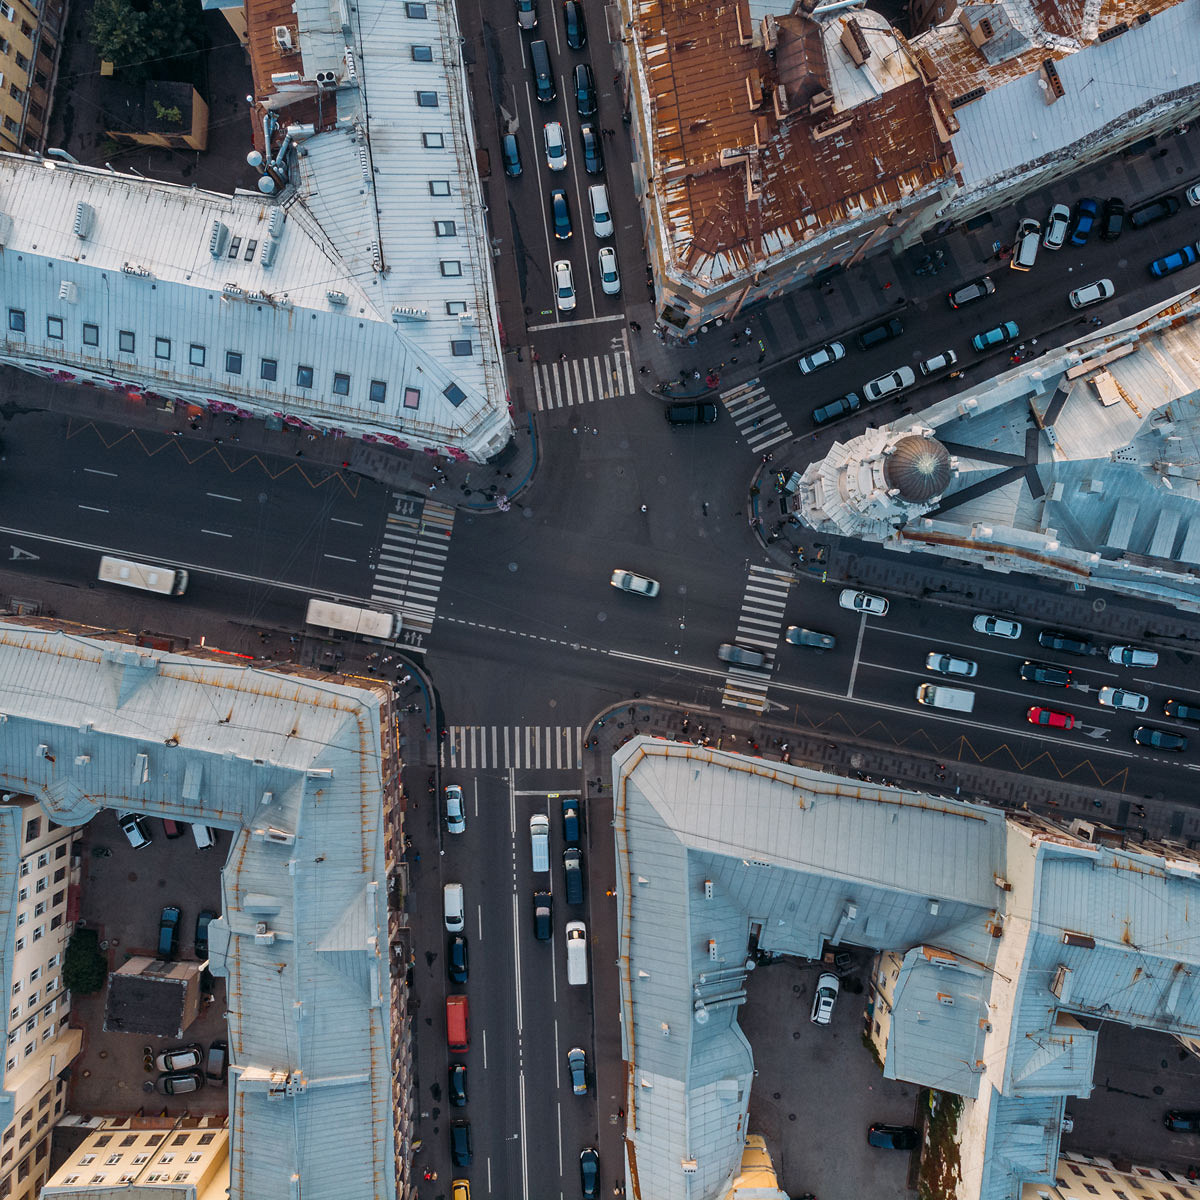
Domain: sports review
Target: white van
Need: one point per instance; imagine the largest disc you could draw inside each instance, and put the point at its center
(577, 953)
(958, 699)
(204, 836)
(602, 222)
(452, 906)
(1025, 248)
(539, 838)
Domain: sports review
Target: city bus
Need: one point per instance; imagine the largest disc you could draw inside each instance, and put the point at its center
(148, 578)
(351, 619)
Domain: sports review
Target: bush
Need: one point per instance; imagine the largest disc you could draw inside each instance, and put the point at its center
(85, 967)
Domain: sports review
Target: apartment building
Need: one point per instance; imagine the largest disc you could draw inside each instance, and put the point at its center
(40, 1046)
(30, 37)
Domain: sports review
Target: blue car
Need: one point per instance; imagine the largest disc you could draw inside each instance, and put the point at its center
(1185, 256)
(1082, 221)
(1000, 336)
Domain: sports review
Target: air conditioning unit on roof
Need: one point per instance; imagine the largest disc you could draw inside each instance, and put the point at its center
(283, 39)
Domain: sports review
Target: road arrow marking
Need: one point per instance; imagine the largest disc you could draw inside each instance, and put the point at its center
(18, 553)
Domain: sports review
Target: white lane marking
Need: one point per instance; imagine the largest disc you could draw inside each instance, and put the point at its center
(216, 533)
(89, 508)
(94, 471)
(485, 1049)
(219, 496)
(340, 558)
(862, 631)
(342, 521)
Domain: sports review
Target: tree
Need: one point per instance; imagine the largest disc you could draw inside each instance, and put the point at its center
(148, 39)
(84, 966)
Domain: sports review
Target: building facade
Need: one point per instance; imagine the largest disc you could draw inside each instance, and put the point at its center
(30, 40)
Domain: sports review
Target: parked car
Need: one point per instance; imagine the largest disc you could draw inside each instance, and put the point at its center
(1112, 219)
(968, 293)
(560, 211)
(570, 820)
(824, 998)
(876, 335)
(460, 1143)
(456, 813)
(1112, 697)
(168, 931)
(573, 874)
(1000, 335)
(134, 828)
(863, 602)
(741, 656)
(1192, 195)
(543, 911)
(840, 407)
(576, 26)
(179, 1083)
(1179, 1120)
(216, 1063)
(996, 626)
(456, 958)
(893, 1137)
(796, 636)
(1057, 224)
(460, 1189)
(1082, 221)
(511, 151)
(610, 277)
(179, 1058)
(1133, 656)
(885, 385)
(589, 1173)
(1049, 717)
(637, 585)
(1092, 293)
(556, 146)
(527, 14)
(1048, 673)
(585, 90)
(1068, 643)
(204, 918)
(564, 286)
(703, 412)
(593, 152)
(1160, 739)
(1185, 256)
(1158, 209)
(939, 362)
(949, 664)
(458, 1084)
(822, 356)
(173, 829)
(577, 1069)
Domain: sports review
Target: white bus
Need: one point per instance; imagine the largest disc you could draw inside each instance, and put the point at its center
(149, 578)
(351, 619)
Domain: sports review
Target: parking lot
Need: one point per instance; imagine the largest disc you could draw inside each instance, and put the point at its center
(121, 898)
(817, 1089)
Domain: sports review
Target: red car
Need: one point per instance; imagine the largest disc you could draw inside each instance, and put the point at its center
(1047, 716)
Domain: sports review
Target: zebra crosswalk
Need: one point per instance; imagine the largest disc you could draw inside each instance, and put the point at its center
(545, 747)
(564, 383)
(412, 558)
(755, 414)
(759, 624)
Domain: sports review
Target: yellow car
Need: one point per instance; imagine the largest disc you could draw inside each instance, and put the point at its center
(460, 1189)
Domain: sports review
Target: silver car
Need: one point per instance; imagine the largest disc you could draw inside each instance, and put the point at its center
(885, 385)
(610, 277)
(577, 1067)
(996, 626)
(1057, 224)
(822, 356)
(1112, 697)
(639, 585)
(947, 664)
(824, 998)
(863, 602)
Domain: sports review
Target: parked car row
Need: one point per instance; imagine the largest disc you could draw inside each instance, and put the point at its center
(181, 1072)
(137, 833)
(169, 921)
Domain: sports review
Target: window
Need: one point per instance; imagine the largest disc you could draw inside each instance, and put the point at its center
(1095, 1191)
(98, 1178)
(16, 320)
(112, 1160)
(411, 9)
(460, 347)
(140, 1159)
(196, 355)
(22, 918)
(341, 383)
(412, 397)
(39, 909)
(304, 377)
(251, 246)
(431, 141)
(91, 335)
(34, 976)
(268, 369)
(427, 100)
(422, 53)
(34, 997)
(181, 1139)
(60, 851)
(57, 898)
(166, 1158)
(125, 341)
(445, 228)
(42, 884)
(9, 123)
(451, 266)
(26, 867)
(15, 1013)
(378, 391)
(19, 944)
(162, 347)
(439, 187)
(9, 12)
(71, 1179)
(207, 1138)
(21, 60)
(235, 247)
(39, 932)
(54, 328)
(180, 1176)
(130, 1139)
(454, 394)
(195, 1156)
(23, 894)
(33, 830)
(233, 362)
(86, 1160)
(60, 874)
(56, 921)
(15, 92)
(454, 307)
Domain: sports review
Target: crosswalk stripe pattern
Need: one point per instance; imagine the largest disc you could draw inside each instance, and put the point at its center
(759, 625)
(412, 559)
(584, 380)
(545, 747)
(758, 420)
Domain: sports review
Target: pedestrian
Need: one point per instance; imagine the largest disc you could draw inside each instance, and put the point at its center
(748, 332)
(696, 374)
(537, 358)
(562, 357)
(643, 370)
(887, 285)
(635, 326)
(643, 508)
(432, 486)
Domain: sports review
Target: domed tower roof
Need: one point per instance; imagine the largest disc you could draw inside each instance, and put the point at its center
(918, 468)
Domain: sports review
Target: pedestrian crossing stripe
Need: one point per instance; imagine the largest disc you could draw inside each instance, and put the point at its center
(527, 747)
(583, 380)
(755, 414)
(759, 626)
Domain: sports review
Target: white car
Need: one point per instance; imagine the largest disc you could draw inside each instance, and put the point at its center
(610, 277)
(1192, 195)
(456, 816)
(947, 664)
(996, 626)
(564, 286)
(180, 1058)
(822, 356)
(1057, 224)
(1112, 697)
(556, 147)
(825, 998)
(134, 829)
(939, 362)
(885, 385)
(863, 602)
(1133, 656)
(639, 585)
(1092, 293)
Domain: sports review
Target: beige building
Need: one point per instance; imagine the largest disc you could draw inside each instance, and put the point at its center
(30, 35)
(182, 1152)
(40, 1045)
(1080, 1176)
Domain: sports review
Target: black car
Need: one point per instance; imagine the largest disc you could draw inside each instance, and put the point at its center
(1179, 1120)
(179, 1083)
(893, 1137)
(1036, 672)
(512, 155)
(585, 90)
(1068, 643)
(968, 293)
(570, 815)
(878, 334)
(1160, 739)
(702, 413)
(456, 959)
(216, 1062)
(458, 1084)
(1112, 220)
(589, 1172)
(836, 408)
(543, 910)
(168, 932)
(1181, 710)
(593, 153)
(576, 27)
(1153, 210)
(573, 872)
(460, 1143)
(560, 211)
(203, 919)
